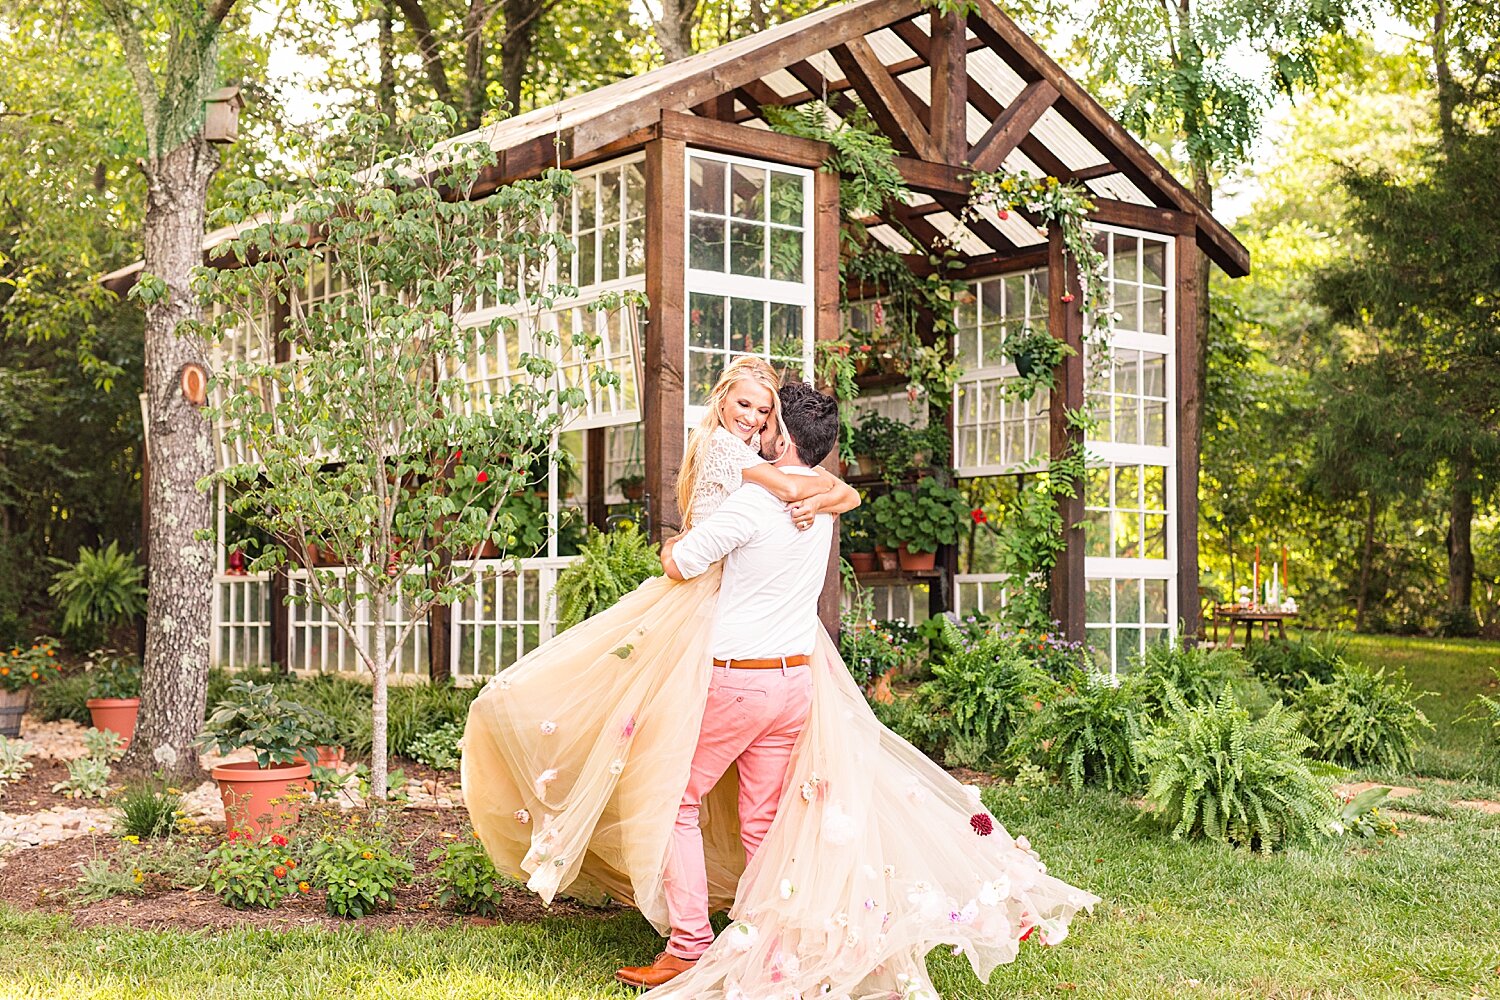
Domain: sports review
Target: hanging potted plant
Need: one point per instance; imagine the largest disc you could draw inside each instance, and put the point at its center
(21, 670)
(114, 693)
(633, 486)
(918, 521)
(1036, 355)
(263, 794)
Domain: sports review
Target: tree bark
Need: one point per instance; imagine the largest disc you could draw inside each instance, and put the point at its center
(521, 17)
(674, 29)
(1366, 562)
(379, 762)
(1460, 529)
(179, 604)
(385, 90)
(475, 80)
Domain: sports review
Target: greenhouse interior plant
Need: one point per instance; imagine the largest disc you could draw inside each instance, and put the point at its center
(917, 521)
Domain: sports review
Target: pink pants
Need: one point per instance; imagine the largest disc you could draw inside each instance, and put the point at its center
(752, 720)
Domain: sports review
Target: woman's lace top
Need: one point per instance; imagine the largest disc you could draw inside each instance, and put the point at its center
(721, 472)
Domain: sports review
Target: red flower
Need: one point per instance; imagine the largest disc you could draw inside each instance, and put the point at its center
(982, 824)
(458, 456)
(234, 835)
(278, 840)
(1028, 932)
(1003, 214)
(279, 871)
(1067, 297)
(878, 314)
(482, 477)
(979, 515)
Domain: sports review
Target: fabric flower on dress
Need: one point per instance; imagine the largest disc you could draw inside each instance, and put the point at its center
(982, 824)
(616, 766)
(994, 893)
(889, 871)
(548, 728)
(742, 936)
(544, 779)
(966, 915)
(810, 787)
(787, 888)
(522, 816)
(628, 729)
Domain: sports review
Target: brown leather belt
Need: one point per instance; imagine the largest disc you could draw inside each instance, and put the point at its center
(770, 663)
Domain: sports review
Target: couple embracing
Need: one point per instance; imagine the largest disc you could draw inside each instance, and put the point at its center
(701, 746)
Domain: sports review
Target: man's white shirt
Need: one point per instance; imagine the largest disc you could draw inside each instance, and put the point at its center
(773, 573)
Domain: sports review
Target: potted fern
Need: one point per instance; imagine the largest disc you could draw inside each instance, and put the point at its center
(114, 693)
(609, 566)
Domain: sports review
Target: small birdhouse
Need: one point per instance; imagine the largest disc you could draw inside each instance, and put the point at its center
(221, 120)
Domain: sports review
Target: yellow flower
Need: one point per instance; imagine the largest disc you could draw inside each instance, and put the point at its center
(174, 791)
(368, 856)
(131, 839)
(139, 876)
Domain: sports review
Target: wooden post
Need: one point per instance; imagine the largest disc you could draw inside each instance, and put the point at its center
(665, 352)
(595, 458)
(828, 327)
(950, 87)
(1065, 322)
(1189, 412)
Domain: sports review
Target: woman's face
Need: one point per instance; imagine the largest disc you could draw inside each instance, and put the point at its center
(746, 408)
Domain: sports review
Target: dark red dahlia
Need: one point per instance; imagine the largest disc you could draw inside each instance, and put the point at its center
(982, 824)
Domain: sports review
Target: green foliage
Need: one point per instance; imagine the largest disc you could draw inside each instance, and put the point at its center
(111, 675)
(29, 665)
(100, 880)
(88, 778)
(899, 449)
(1087, 733)
(1197, 675)
(1361, 814)
(64, 698)
(921, 519)
(147, 809)
(1213, 772)
(104, 744)
(257, 716)
(868, 648)
(863, 156)
(103, 588)
(1293, 665)
(248, 874)
(466, 878)
(610, 565)
(1360, 718)
(437, 748)
(980, 696)
(1486, 710)
(359, 874)
(13, 762)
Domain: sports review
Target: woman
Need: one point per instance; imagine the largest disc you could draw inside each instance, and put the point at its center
(876, 855)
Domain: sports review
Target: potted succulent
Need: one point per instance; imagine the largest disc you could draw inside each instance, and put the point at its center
(855, 542)
(263, 794)
(114, 693)
(919, 520)
(22, 669)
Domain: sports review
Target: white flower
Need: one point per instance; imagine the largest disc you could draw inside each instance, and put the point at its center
(544, 779)
(838, 826)
(548, 728)
(1023, 843)
(522, 816)
(994, 893)
(841, 920)
(889, 871)
(972, 791)
(852, 938)
(966, 915)
(165, 755)
(787, 888)
(810, 787)
(1335, 826)
(742, 936)
(616, 766)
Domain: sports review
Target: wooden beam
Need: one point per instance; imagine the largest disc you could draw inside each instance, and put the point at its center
(1189, 411)
(818, 88)
(1012, 125)
(1021, 259)
(727, 137)
(828, 327)
(918, 230)
(666, 336)
(1156, 220)
(1095, 172)
(1065, 322)
(595, 457)
(950, 87)
(719, 108)
(878, 92)
(993, 238)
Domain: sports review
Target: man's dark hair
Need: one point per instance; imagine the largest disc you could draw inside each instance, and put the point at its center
(812, 420)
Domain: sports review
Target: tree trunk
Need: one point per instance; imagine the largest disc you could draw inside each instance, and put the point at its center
(674, 29)
(1366, 562)
(379, 764)
(472, 112)
(1460, 528)
(179, 605)
(385, 90)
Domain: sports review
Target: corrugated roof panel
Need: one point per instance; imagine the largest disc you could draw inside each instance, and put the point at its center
(987, 69)
(959, 235)
(1120, 187)
(891, 239)
(920, 82)
(1014, 227)
(824, 63)
(889, 47)
(916, 199)
(1019, 163)
(975, 124)
(784, 83)
(1063, 140)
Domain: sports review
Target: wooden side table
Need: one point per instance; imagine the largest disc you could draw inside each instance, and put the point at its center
(1249, 617)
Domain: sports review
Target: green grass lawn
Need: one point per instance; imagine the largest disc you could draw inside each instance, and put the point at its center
(1414, 916)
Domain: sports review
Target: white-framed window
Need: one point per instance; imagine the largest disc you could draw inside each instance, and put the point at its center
(511, 612)
(1126, 509)
(615, 352)
(749, 268)
(994, 434)
(1125, 614)
(250, 340)
(609, 223)
(908, 602)
(242, 619)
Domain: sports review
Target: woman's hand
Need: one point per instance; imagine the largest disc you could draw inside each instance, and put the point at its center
(804, 511)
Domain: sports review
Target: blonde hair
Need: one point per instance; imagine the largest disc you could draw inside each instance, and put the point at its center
(741, 369)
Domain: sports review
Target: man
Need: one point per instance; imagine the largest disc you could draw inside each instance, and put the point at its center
(765, 626)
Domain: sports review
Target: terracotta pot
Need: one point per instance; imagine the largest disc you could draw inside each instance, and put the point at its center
(912, 561)
(13, 705)
(882, 692)
(327, 756)
(115, 714)
(634, 492)
(888, 561)
(486, 550)
(863, 562)
(867, 466)
(258, 800)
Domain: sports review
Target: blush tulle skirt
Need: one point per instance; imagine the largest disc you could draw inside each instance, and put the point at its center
(575, 760)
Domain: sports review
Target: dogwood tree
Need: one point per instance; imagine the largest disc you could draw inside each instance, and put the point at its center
(344, 388)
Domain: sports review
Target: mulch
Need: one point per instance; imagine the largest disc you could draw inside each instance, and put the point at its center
(41, 879)
(33, 793)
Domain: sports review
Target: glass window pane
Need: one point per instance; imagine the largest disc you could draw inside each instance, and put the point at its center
(1096, 534)
(1125, 306)
(1154, 545)
(704, 370)
(1154, 479)
(587, 259)
(747, 249)
(1156, 601)
(747, 326)
(1127, 647)
(609, 198)
(1127, 535)
(706, 243)
(584, 196)
(1156, 424)
(1127, 426)
(707, 185)
(992, 298)
(786, 330)
(786, 198)
(635, 246)
(1098, 640)
(1127, 600)
(1127, 374)
(609, 253)
(968, 308)
(1127, 487)
(1096, 601)
(1154, 263)
(635, 190)
(1126, 263)
(1153, 374)
(1153, 310)
(786, 254)
(706, 321)
(1096, 489)
(747, 193)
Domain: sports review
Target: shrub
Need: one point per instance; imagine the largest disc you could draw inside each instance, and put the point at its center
(1088, 734)
(66, 697)
(13, 762)
(1197, 675)
(1486, 710)
(104, 745)
(246, 873)
(868, 649)
(103, 588)
(980, 696)
(1213, 772)
(29, 665)
(88, 778)
(111, 675)
(466, 878)
(1291, 665)
(1361, 814)
(256, 716)
(439, 747)
(147, 809)
(907, 718)
(1360, 718)
(609, 566)
(922, 519)
(360, 874)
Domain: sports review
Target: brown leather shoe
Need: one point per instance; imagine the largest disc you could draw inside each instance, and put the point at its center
(666, 968)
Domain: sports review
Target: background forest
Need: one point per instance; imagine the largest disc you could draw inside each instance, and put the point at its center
(1352, 379)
